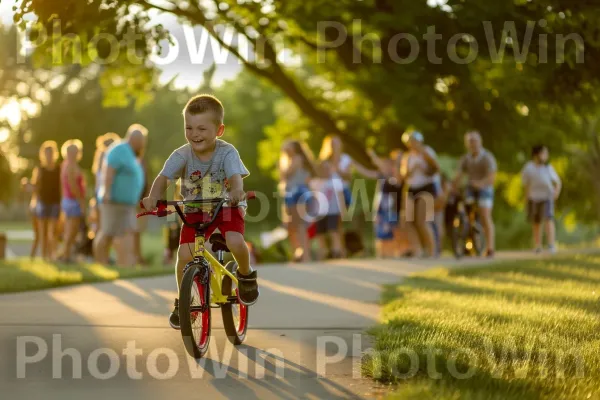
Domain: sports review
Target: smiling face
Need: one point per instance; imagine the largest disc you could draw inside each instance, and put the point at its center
(202, 131)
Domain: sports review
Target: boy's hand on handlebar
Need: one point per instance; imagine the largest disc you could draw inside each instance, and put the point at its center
(149, 203)
(235, 196)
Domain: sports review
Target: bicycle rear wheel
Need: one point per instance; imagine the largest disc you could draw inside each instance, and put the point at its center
(194, 310)
(235, 315)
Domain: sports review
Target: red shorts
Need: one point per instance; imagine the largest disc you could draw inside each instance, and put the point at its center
(229, 219)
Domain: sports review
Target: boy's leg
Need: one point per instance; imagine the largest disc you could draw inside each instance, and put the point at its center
(239, 251)
(232, 225)
(184, 256)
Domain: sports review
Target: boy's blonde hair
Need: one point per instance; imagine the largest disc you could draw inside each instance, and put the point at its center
(206, 103)
(48, 144)
(72, 143)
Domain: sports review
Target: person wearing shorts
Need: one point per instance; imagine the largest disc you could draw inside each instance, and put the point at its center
(479, 166)
(73, 194)
(418, 170)
(46, 180)
(120, 192)
(329, 196)
(542, 187)
(387, 218)
(296, 168)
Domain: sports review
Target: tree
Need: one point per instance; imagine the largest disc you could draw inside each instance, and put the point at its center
(483, 94)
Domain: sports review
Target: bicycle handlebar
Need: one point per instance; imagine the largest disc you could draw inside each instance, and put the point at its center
(161, 209)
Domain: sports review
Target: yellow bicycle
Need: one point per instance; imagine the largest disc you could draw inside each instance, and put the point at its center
(207, 283)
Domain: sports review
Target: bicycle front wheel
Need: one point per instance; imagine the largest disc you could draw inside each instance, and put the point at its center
(235, 315)
(194, 310)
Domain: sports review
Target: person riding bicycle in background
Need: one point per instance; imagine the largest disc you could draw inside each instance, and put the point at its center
(480, 167)
(209, 168)
(542, 188)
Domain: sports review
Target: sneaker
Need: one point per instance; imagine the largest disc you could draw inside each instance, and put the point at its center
(552, 249)
(489, 254)
(538, 250)
(248, 288)
(174, 317)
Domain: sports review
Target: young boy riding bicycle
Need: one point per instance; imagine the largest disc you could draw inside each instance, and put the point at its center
(208, 168)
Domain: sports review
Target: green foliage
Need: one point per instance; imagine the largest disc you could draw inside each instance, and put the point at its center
(363, 95)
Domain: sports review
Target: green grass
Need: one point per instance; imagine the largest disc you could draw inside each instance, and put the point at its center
(24, 274)
(15, 226)
(518, 330)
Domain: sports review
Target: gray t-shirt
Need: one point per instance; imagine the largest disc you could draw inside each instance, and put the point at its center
(540, 180)
(477, 168)
(204, 180)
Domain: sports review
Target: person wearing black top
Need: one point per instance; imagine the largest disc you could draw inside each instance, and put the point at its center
(46, 181)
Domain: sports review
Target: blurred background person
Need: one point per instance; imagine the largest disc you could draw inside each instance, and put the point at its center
(103, 142)
(419, 167)
(296, 169)
(542, 188)
(141, 223)
(29, 192)
(46, 183)
(73, 202)
(332, 150)
(329, 196)
(480, 167)
(121, 186)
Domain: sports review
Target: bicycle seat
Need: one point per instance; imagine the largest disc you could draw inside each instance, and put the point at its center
(218, 242)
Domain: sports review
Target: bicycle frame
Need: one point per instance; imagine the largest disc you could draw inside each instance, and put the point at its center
(217, 272)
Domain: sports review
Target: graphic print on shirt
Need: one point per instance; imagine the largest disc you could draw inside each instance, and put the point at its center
(207, 187)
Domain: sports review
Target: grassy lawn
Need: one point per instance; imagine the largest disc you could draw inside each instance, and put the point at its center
(518, 330)
(23, 274)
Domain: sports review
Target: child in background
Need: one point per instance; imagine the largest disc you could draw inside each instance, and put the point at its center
(296, 168)
(329, 197)
(542, 188)
(389, 238)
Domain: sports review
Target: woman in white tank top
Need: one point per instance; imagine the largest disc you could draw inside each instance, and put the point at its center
(418, 169)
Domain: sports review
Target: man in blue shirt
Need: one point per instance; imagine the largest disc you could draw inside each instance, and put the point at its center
(119, 193)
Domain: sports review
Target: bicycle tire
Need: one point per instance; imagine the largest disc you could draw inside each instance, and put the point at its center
(457, 237)
(195, 344)
(478, 238)
(235, 328)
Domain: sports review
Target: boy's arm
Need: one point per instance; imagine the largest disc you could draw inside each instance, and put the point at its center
(235, 171)
(172, 170)
(236, 193)
(159, 186)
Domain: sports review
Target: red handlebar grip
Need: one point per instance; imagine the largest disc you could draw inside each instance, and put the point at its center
(250, 195)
